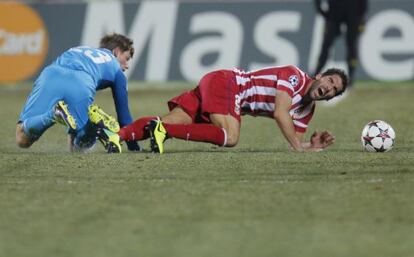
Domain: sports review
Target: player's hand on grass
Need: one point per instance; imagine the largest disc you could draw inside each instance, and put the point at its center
(321, 140)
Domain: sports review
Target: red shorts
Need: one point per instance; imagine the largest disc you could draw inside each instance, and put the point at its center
(215, 93)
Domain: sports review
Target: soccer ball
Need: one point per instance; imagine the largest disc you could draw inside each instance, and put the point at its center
(378, 136)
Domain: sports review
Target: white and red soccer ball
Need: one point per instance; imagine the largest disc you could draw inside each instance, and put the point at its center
(378, 136)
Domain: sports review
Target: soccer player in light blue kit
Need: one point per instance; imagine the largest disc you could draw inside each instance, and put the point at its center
(65, 91)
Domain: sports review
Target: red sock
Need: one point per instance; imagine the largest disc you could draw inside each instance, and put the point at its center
(135, 131)
(197, 132)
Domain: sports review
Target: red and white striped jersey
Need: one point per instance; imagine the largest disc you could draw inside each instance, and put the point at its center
(258, 91)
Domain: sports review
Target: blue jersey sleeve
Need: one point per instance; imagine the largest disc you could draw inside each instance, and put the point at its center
(120, 95)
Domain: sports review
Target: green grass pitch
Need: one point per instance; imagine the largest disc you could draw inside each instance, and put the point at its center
(198, 200)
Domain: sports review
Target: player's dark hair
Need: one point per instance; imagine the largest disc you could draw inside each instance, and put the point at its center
(114, 40)
(341, 73)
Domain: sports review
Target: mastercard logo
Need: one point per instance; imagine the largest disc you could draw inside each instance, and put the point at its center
(23, 42)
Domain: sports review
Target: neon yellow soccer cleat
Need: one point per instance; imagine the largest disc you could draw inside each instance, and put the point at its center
(63, 116)
(103, 120)
(107, 129)
(109, 140)
(158, 134)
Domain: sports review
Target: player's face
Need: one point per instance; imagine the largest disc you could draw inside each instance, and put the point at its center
(123, 58)
(326, 87)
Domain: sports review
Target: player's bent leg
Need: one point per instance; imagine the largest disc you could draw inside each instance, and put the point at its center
(200, 132)
(157, 131)
(178, 124)
(177, 116)
(197, 132)
(31, 128)
(22, 140)
(231, 126)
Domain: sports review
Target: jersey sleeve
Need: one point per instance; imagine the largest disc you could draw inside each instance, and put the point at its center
(120, 95)
(288, 80)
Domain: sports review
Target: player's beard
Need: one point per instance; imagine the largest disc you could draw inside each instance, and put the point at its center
(307, 98)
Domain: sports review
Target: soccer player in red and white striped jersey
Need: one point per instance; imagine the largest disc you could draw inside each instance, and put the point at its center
(212, 111)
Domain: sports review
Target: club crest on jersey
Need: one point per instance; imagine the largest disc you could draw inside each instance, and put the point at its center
(293, 80)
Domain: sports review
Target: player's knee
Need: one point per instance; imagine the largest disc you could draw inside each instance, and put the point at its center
(232, 139)
(231, 143)
(23, 142)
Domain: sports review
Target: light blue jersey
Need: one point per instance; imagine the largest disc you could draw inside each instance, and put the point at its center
(74, 77)
(105, 71)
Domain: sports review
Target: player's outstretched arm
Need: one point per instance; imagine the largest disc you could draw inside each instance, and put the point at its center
(318, 140)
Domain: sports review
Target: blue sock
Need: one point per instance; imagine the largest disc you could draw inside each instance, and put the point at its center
(35, 126)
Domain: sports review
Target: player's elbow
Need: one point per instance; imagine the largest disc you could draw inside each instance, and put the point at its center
(278, 115)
